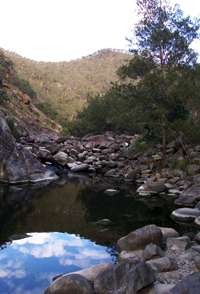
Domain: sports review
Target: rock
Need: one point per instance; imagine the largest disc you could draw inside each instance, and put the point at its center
(17, 164)
(78, 167)
(197, 237)
(111, 192)
(82, 155)
(196, 259)
(197, 221)
(163, 288)
(152, 251)
(151, 188)
(104, 222)
(163, 264)
(70, 284)
(110, 173)
(126, 277)
(189, 285)
(179, 244)
(130, 254)
(185, 214)
(90, 273)
(139, 238)
(61, 158)
(168, 233)
(189, 197)
(44, 154)
(131, 174)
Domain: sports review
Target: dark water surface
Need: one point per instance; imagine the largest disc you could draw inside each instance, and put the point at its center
(49, 230)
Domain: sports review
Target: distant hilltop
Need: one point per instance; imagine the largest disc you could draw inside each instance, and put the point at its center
(63, 87)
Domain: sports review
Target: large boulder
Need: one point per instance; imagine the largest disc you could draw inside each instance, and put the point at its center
(18, 164)
(139, 238)
(70, 284)
(90, 273)
(128, 277)
(189, 285)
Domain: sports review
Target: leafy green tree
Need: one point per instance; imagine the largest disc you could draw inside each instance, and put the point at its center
(164, 63)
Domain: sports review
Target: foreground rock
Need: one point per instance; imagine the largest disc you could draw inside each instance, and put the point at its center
(140, 238)
(177, 263)
(17, 163)
(70, 284)
(126, 277)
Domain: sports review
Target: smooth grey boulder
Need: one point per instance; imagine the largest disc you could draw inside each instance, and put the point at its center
(17, 163)
(152, 251)
(139, 238)
(126, 277)
(185, 214)
(189, 285)
(70, 284)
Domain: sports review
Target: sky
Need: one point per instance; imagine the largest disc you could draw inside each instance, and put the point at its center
(56, 30)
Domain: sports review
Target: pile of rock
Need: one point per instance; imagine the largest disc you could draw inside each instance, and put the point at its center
(151, 259)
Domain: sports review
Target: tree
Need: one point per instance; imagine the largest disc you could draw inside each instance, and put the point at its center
(163, 64)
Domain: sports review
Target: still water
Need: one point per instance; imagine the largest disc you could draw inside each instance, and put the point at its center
(48, 230)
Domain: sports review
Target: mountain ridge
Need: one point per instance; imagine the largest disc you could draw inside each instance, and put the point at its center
(63, 87)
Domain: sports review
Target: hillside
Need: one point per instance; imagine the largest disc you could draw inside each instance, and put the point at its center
(18, 101)
(63, 87)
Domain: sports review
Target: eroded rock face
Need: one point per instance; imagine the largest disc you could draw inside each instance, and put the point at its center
(18, 164)
(139, 238)
(70, 284)
(126, 277)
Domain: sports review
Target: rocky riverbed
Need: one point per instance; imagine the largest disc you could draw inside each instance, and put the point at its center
(159, 257)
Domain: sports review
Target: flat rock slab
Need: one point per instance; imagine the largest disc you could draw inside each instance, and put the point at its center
(185, 214)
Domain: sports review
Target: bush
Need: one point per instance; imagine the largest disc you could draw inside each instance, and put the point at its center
(24, 86)
(48, 109)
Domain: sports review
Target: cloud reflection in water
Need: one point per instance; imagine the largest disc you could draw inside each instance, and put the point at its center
(28, 265)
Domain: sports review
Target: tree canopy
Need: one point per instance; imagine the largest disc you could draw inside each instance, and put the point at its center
(160, 83)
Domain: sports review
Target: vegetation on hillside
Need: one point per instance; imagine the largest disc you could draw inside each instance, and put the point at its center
(159, 89)
(17, 100)
(63, 87)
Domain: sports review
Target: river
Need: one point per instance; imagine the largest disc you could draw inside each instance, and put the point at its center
(66, 226)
